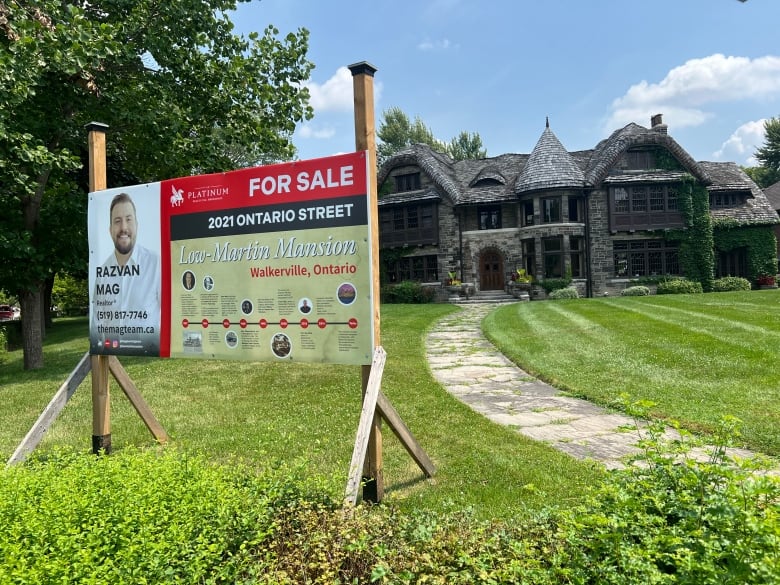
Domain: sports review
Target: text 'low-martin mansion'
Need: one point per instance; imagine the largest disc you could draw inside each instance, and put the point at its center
(620, 211)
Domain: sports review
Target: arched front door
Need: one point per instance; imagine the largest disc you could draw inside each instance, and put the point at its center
(491, 270)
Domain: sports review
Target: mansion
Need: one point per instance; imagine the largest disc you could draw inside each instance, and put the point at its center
(600, 217)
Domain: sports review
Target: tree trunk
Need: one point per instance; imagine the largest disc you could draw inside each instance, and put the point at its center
(32, 327)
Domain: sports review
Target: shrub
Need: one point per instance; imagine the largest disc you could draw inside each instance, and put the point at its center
(167, 517)
(635, 291)
(564, 293)
(678, 519)
(409, 292)
(730, 283)
(678, 286)
(154, 517)
(551, 284)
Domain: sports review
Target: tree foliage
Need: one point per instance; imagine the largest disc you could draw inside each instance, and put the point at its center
(769, 154)
(466, 146)
(180, 91)
(397, 131)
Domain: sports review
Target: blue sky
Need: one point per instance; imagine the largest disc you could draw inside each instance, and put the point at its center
(500, 67)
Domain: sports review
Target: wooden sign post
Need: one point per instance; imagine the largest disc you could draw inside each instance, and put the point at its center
(365, 139)
(376, 407)
(101, 399)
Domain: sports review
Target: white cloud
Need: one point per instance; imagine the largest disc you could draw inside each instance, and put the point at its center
(310, 131)
(742, 144)
(685, 91)
(336, 94)
(440, 45)
(333, 95)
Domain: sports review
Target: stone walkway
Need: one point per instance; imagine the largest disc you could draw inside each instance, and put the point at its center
(473, 370)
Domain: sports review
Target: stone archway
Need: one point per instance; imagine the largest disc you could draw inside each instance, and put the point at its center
(491, 270)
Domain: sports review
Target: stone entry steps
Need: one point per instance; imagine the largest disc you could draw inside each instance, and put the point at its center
(484, 297)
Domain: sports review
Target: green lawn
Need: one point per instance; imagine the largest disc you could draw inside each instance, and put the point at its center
(306, 412)
(697, 357)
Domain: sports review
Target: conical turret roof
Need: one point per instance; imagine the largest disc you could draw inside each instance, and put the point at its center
(549, 166)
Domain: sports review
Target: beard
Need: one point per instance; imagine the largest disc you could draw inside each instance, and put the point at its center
(124, 246)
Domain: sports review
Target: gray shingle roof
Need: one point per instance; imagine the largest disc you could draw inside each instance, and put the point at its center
(773, 195)
(550, 166)
(607, 152)
(405, 197)
(728, 176)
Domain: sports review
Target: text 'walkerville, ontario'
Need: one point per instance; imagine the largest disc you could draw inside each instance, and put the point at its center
(298, 270)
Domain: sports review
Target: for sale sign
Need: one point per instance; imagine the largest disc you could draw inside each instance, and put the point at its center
(267, 263)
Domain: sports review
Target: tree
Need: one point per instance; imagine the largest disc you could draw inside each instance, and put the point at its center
(769, 154)
(180, 91)
(396, 132)
(466, 146)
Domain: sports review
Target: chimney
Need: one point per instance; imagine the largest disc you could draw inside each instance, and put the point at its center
(657, 124)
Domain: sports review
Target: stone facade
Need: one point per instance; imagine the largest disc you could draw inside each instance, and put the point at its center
(598, 216)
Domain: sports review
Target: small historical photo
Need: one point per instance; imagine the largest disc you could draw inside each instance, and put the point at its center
(280, 345)
(231, 339)
(304, 306)
(208, 283)
(192, 342)
(247, 307)
(188, 280)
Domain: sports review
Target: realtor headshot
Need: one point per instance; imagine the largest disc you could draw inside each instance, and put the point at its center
(125, 316)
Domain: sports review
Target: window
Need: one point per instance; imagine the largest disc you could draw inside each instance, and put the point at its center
(621, 200)
(552, 253)
(635, 258)
(733, 263)
(551, 210)
(417, 268)
(656, 198)
(529, 257)
(489, 217)
(527, 213)
(577, 256)
(408, 182)
(644, 207)
(576, 209)
(409, 225)
(718, 200)
(638, 199)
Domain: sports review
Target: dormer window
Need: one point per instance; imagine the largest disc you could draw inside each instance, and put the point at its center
(487, 182)
(407, 182)
(720, 200)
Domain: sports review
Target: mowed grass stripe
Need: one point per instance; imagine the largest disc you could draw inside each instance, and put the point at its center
(762, 311)
(698, 360)
(641, 350)
(708, 326)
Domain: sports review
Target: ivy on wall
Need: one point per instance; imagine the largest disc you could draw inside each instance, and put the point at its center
(704, 236)
(665, 160)
(697, 246)
(759, 242)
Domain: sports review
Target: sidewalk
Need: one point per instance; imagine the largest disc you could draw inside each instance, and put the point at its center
(473, 370)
